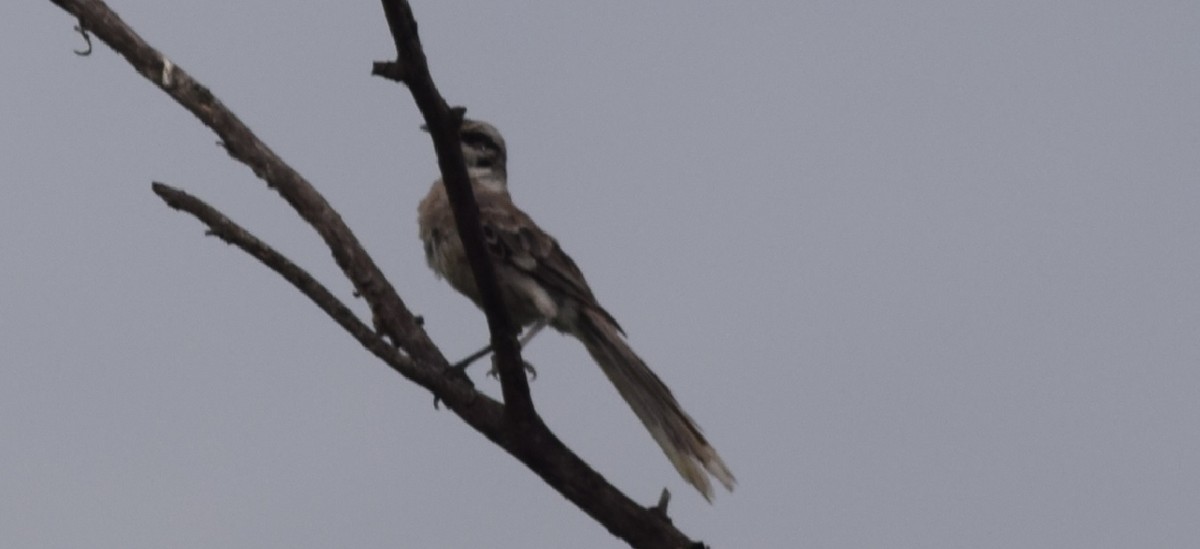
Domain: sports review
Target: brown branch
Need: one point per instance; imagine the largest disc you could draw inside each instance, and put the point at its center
(222, 227)
(528, 440)
(557, 471)
(443, 123)
(396, 321)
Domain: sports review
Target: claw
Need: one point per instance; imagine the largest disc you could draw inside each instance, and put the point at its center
(495, 374)
(523, 341)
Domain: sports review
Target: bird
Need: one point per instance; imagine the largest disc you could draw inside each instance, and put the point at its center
(541, 285)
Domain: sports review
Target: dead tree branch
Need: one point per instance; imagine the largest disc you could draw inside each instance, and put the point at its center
(222, 227)
(411, 69)
(521, 434)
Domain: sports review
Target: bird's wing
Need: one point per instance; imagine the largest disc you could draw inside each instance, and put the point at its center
(512, 237)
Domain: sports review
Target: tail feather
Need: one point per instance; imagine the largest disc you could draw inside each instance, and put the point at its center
(653, 403)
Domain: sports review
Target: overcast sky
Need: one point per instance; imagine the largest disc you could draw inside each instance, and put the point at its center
(925, 272)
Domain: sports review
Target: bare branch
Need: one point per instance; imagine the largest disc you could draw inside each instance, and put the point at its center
(443, 123)
(527, 439)
(222, 227)
(394, 318)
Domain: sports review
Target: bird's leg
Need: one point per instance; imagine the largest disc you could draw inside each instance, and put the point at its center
(460, 367)
(487, 349)
(522, 341)
(471, 358)
(532, 331)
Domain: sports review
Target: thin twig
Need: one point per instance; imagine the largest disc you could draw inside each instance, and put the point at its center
(226, 229)
(82, 30)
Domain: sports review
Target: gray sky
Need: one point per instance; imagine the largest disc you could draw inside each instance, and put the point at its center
(925, 272)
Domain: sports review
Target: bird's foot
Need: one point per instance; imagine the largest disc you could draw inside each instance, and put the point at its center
(495, 373)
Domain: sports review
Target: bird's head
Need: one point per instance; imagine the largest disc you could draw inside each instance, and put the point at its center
(482, 146)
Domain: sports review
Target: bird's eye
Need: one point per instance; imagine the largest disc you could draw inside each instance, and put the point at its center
(472, 138)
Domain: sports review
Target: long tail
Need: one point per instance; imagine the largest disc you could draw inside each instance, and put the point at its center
(652, 401)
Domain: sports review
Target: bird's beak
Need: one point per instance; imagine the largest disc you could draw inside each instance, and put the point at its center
(425, 128)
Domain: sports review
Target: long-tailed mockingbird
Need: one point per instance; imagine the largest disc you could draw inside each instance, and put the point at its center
(540, 284)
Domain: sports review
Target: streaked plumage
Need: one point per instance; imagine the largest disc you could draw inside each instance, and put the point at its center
(539, 281)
